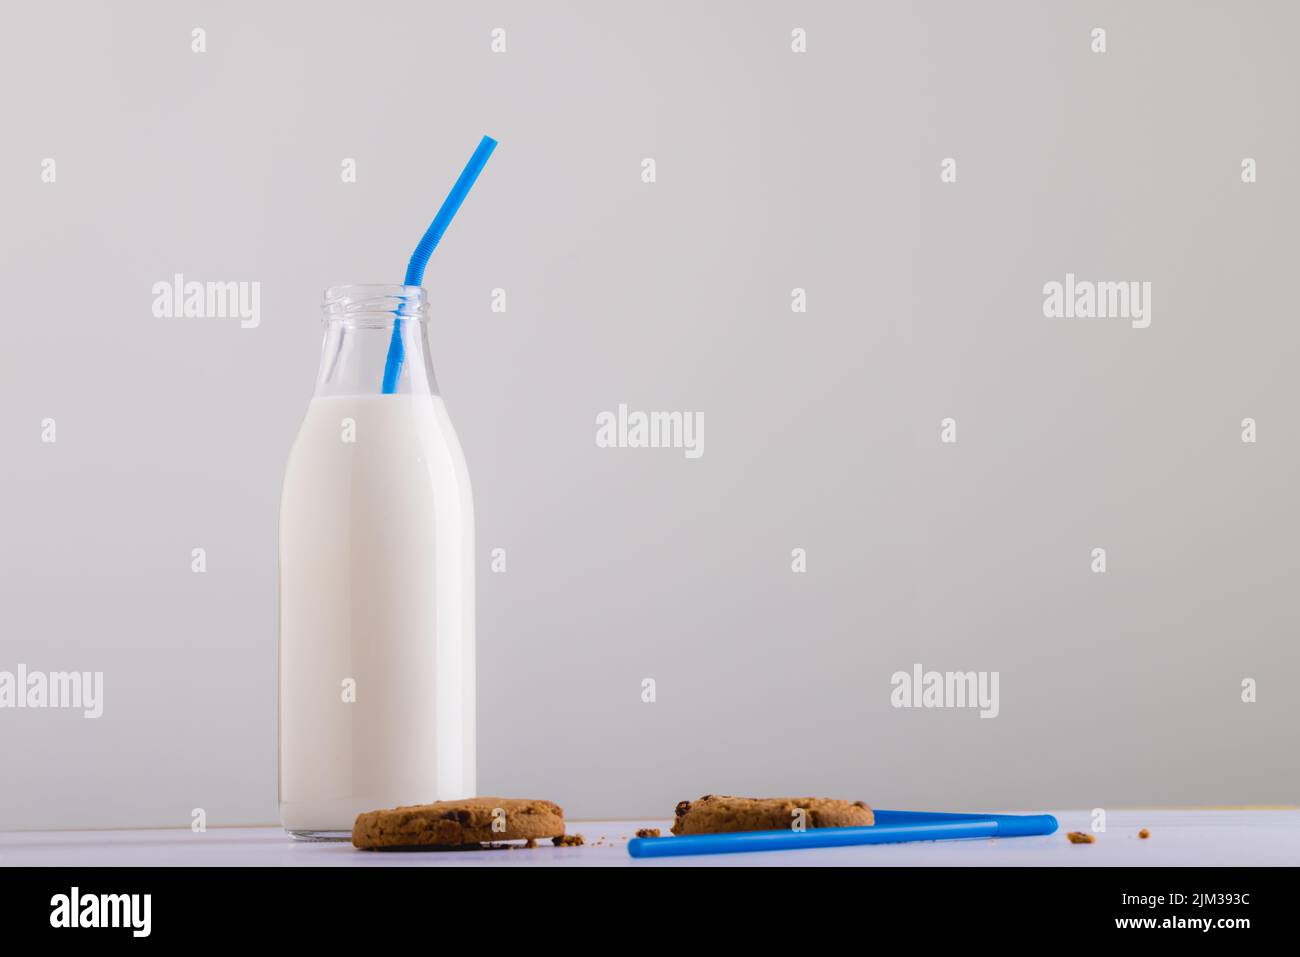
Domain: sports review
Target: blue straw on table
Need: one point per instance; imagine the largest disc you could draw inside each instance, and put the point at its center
(891, 827)
(425, 248)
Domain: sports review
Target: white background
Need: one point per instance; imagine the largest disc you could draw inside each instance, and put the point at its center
(776, 170)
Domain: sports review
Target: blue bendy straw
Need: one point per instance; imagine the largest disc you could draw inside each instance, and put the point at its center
(426, 246)
(891, 827)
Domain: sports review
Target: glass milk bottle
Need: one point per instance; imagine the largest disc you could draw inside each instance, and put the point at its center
(376, 579)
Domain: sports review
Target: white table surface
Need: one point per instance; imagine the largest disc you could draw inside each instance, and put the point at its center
(1178, 838)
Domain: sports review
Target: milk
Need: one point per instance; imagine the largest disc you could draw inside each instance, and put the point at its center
(376, 612)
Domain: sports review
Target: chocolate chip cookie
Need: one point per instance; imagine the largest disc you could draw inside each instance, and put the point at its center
(715, 814)
(458, 823)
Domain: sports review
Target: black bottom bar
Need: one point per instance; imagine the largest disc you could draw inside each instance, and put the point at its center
(336, 905)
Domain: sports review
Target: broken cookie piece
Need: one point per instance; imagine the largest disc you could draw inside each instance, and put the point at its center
(568, 840)
(717, 814)
(1078, 837)
(647, 832)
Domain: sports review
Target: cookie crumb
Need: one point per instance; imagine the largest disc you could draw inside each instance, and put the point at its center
(647, 832)
(1144, 833)
(1078, 837)
(530, 843)
(568, 840)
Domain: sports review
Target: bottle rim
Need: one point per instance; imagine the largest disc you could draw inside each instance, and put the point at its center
(373, 303)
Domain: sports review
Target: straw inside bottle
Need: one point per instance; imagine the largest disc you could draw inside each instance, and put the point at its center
(424, 249)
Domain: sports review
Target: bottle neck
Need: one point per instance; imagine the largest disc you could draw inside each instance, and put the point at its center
(360, 325)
